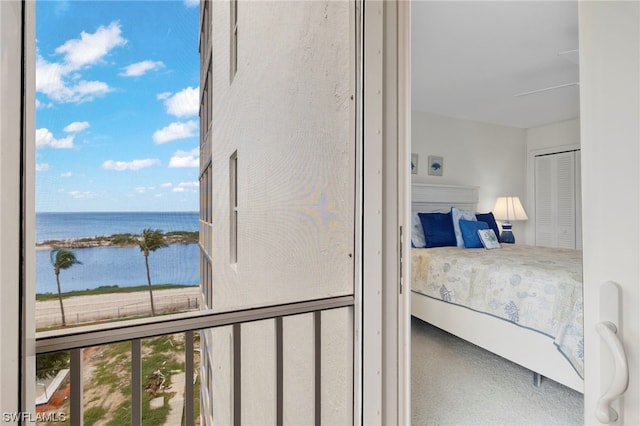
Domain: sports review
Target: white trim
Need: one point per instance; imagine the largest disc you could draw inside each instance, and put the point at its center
(404, 207)
(391, 217)
(554, 149)
(372, 214)
(426, 197)
(386, 320)
(17, 369)
(29, 218)
(10, 98)
(609, 131)
(357, 127)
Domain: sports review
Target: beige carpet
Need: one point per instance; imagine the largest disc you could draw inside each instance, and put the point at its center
(457, 383)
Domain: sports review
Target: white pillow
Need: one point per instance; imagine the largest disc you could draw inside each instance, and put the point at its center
(456, 215)
(417, 233)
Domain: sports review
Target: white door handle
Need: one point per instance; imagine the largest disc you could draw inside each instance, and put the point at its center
(604, 412)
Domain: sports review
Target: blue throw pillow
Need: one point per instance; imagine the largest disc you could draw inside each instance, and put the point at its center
(490, 220)
(438, 229)
(469, 230)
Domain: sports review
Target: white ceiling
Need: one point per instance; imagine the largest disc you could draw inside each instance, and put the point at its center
(469, 59)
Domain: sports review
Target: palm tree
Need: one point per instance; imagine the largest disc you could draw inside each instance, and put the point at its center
(151, 240)
(48, 365)
(62, 259)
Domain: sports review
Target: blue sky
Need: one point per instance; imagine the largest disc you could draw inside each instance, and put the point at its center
(117, 105)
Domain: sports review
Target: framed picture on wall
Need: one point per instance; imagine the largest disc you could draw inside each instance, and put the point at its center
(436, 164)
(414, 164)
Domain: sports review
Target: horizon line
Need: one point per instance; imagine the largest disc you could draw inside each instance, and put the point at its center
(122, 211)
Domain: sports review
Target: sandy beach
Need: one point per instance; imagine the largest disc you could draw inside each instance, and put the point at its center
(83, 309)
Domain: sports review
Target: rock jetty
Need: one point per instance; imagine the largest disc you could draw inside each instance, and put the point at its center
(116, 240)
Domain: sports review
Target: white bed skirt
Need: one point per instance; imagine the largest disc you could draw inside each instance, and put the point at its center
(525, 347)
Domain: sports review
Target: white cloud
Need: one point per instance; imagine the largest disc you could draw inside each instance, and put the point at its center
(90, 49)
(49, 77)
(42, 167)
(66, 174)
(87, 90)
(140, 68)
(77, 126)
(166, 185)
(41, 105)
(81, 194)
(185, 103)
(143, 189)
(192, 3)
(130, 165)
(61, 81)
(186, 187)
(50, 80)
(183, 159)
(44, 139)
(176, 130)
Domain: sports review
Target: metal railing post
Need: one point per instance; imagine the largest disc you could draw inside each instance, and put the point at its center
(136, 382)
(76, 387)
(188, 379)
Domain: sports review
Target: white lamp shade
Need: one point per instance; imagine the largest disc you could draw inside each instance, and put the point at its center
(509, 209)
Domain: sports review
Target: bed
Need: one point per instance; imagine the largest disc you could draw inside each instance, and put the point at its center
(521, 302)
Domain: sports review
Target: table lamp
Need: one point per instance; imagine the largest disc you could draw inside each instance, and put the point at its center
(508, 209)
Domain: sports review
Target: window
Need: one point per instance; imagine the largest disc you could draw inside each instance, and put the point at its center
(111, 149)
(233, 202)
(320, 207)
(234, 40)
(107, 147)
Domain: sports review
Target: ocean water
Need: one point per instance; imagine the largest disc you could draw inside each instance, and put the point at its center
(125, 267)
(58, 226)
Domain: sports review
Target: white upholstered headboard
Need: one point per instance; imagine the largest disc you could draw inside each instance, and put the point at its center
(440, 198)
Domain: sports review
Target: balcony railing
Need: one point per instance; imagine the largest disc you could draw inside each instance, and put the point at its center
(78, 338)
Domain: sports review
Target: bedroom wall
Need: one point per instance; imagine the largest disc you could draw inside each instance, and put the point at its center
(553, 135)
(488, 156)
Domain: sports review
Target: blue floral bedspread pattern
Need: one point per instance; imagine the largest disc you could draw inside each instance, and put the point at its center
(539, 288)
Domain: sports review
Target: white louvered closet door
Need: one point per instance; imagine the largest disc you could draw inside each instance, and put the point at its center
(557, 200)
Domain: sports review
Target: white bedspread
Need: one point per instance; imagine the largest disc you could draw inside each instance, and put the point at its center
(539, 288)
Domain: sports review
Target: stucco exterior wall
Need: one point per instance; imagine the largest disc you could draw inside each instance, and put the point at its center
(288, 113)
(288, 117)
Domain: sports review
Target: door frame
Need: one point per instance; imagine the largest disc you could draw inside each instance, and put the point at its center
(386, 371)
(610, 138)
(609, 109)
(17, 214)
